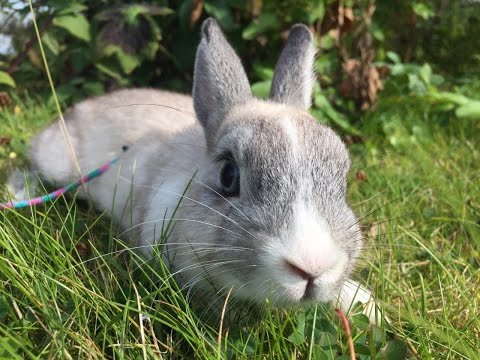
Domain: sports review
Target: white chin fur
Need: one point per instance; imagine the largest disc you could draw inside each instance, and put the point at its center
(310, 247)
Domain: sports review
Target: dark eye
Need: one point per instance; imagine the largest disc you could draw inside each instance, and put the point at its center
(230, 179)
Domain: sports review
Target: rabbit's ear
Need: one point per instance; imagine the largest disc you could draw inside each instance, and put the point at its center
(293, 79)
(219, 79)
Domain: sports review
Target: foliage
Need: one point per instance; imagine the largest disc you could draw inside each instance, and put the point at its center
(95, 46)
(438, 32)
(422, 86)
(89, 46)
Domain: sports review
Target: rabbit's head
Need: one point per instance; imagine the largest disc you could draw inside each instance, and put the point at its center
(277, 177)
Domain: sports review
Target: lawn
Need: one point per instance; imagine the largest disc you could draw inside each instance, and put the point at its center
(70, 288)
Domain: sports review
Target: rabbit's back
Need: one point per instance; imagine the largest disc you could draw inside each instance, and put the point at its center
(154, 132)
(102, 126)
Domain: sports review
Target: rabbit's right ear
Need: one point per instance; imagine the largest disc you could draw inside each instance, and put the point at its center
(219, 79)
(294, 77)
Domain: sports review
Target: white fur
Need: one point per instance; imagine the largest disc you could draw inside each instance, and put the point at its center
(310, 247)
(167, 195)
(291, 131)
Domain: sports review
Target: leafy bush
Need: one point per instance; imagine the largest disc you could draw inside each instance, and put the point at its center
(97, 46)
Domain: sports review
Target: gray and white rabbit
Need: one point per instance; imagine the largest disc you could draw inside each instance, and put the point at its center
(264, 212)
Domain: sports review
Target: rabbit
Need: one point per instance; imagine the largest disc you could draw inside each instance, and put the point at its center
(255, 189)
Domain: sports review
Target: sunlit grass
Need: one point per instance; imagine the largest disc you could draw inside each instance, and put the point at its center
(423, 244)
(66, 293)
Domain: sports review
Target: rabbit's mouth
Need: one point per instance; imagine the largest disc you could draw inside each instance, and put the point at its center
(306, 292)
(285, 286)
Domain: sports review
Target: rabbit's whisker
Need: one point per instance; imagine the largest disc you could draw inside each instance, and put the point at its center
(179, 219)
(167, 169)
(195, 201)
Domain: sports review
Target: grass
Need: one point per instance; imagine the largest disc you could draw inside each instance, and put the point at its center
(69, 288)
(425, 245)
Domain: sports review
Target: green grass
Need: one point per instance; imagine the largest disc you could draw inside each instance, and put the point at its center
(425, 250)
(66, 293)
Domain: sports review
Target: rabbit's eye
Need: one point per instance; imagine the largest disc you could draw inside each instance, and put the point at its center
(230, 179)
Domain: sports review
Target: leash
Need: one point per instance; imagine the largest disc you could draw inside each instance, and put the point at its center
(59, 192)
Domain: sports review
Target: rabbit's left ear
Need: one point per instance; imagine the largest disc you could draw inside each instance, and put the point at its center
(219, 79)
(294, 77)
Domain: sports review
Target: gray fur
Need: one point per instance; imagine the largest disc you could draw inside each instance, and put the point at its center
(293, 78)
(219, 79)
(292, 176)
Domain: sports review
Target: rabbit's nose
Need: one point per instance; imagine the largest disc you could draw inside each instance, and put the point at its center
(297, 270)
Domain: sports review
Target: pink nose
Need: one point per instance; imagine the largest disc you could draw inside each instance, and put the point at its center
(298, 271)
(295, 269)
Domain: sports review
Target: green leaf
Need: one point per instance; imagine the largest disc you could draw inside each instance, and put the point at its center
(51, 43)
(378, 33)
(322, 103)
(263, 72)
(470, 110)
(399, 69)
(416, 85)
(266, 22)
(393, 57)
(80, 59)
(220, 10)
(127, 62)
(261, 89)
(327, 42)
(298, 335)
(437, 79)
(77, 25)
(6, 79)
(426, 73)
(132, 12)
(376, 335)
(449, 97)
(66, 7)
(327, 340)
(317, 11)
(422, 10)
(151, 48)
(361, 348)
(65, 92)
(109, 70)
(9, 348)
(72, 8)
(319, 354)
(394, 350)
(93, 88)
(360, 321)
(4, 306)
(443, 107)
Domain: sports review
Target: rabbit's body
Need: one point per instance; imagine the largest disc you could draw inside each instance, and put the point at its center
(156, 145)
(265, 213)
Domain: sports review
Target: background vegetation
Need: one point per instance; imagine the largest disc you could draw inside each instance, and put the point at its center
(398, 79)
